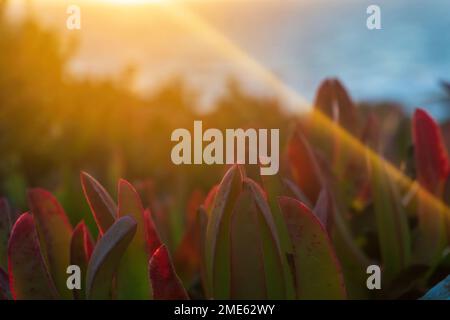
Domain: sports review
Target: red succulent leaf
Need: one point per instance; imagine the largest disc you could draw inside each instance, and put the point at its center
(54, 232)
(430, 154)
(165, 282)
(152, 238)
(102, 205)
(195, 200)
(333, 100)
(81, 248)
(28, 273)
(304, 167)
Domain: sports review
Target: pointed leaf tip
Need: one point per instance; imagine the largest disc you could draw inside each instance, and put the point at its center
(103, 207)
(430, 154)
(28, 273)
(165, 282)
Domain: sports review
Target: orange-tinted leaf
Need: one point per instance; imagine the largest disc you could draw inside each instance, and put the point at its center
(102, 205)
(28, 273)
(54, 232)
(209, 201)
(81, 248)
(318, 273)
(165, 282)
(304, 167)
(151, 233)
(106, 258)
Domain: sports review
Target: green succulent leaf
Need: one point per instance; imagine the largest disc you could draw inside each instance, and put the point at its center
(54, 232)
(270, 243)
(132, 280)
(317, 270)
(248, 279)
(217, 249)
(392, 224)
(28, 272)
(106, 258)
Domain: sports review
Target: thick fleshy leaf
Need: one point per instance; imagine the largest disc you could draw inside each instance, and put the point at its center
(187, 257)
(441, 291)
(304, 167)
(165, 282)
(217, 234)
(333, 100)
(102, 205)
(54, 232)
(106, 258)
(132, 280)
(209, 200)
(151, 233)
(275, 188)
(5, 292)
(81, 248)
(392, 224)
(430, 154)
(28, 273)
(270, 243)
(432, 169)
(324, 209)
(6, 224)
(318, 273)
(248, 280)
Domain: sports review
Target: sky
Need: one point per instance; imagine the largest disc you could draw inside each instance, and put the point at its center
(301, 42)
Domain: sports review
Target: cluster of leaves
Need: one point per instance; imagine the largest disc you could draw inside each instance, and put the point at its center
(308, 233)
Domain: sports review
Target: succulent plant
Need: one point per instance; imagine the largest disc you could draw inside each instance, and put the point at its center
(310, 232)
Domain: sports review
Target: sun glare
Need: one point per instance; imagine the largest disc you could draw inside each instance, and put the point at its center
(134, 2)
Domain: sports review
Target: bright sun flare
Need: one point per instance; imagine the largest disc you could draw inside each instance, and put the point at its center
(125, 2)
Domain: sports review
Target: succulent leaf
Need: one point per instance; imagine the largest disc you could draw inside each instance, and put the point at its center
(106, 257)
(318, 272)
(132, 280)
(54, 232)
(102, 205)
(28, 272)
(165, 282)
(81, 247)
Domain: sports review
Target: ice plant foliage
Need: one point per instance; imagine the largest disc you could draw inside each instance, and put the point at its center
(309, 232)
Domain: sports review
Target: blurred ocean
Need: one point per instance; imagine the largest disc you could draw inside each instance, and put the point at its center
(301, 41)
